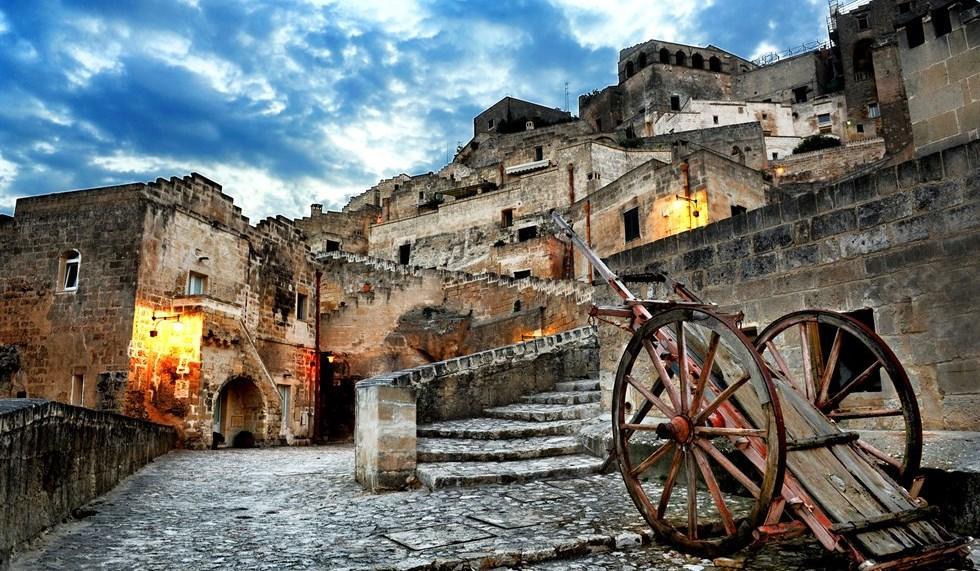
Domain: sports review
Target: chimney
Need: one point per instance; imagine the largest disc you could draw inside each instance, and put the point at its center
(316, 209)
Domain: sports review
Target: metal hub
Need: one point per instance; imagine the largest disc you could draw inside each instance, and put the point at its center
(680, 429)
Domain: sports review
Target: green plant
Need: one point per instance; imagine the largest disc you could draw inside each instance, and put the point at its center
(816, 143)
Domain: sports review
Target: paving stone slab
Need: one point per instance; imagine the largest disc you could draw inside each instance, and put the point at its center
(495, 428)
(544, 412)
(571, 397)
(454, 474)
(471, 450)
(437, 536)
(580, 385)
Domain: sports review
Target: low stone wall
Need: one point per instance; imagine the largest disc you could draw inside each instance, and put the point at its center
(55, 458)
(827, 164)
(390, 406)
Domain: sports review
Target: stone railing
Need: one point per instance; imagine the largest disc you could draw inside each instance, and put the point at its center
(390, 406)
(55, 458)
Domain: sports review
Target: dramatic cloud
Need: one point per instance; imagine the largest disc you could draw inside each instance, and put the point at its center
(290, 102)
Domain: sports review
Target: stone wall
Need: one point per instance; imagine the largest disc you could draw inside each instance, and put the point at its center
(827, 164)
(56, 458)
(742, 142)
(390, 406)
(901, 241)
(778, 81)
(942, 79)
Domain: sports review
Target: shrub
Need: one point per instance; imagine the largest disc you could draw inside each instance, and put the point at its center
(815, 143)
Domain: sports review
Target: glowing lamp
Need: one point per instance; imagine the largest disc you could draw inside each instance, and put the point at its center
(178, 326)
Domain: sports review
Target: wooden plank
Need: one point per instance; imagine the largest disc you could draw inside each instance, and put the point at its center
(888, 520)
(822, 440)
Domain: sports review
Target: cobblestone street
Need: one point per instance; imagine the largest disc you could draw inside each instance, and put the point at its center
(299, 508)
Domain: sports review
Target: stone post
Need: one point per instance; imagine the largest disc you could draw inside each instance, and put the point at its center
(384, 435)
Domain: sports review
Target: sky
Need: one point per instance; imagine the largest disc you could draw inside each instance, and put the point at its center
(289, 102)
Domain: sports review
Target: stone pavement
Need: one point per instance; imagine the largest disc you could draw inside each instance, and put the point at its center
(299, 508)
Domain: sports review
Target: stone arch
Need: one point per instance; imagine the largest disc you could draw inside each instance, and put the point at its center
(240, 405)
(697, 61)
(641, 60)
(680, 57)
(630, 70)
(714, 64)
(664, 55)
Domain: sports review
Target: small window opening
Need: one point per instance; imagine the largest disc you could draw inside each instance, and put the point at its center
(517, 304)
(332, 246)
(507, 217)
(421, 195)
(914, 33)
(538, 153)
(404, 253)
(799, 94)
(675, 102)
(681, 58)
(629, 69)
(737, 209)
(285, 392)
(823, 119)
(664, 55)
(197, 284)
(941, 23)
(765, 115)
(301, 306)
(697, 61)
(519, 275)
(527, 233)
(77, 397)
(775, 156)
(71, 262)
(873, 111)
(863, 22)
(631, 224)
(714, 64)
(490, 124)
(715, 119)
(642, 60)
(860, 127)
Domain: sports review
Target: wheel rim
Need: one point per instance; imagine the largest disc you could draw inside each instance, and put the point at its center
(735, 406)
(819, 373)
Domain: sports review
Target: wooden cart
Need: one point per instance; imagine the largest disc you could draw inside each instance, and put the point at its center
(755, 440)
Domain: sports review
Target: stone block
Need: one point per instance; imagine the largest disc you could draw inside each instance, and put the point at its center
(911, 229)
(757, 266)
(883, 210)
(861, 243)
(832, 223)
(956, 162)
(734, 249)
(865, 188)
(801, 256)
(936, 196)
(962, 217)
(907, 175)
(771, 239)
(931, 167)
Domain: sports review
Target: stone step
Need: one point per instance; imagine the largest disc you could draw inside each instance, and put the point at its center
(496, 428)
(544, 412)
(470, 450)
(572, 397)
(580, 385)
(458, 474)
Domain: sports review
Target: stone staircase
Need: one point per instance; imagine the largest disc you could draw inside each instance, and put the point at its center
(531, 440)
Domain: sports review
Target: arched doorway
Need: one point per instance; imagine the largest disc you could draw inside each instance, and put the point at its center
(239, 413)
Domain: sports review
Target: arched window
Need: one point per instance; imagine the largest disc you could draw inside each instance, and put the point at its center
(629, 69)
(680, 58)
(714, 64)
(641, 61)
(863, 63)
(664, 55)
(69, 265)
(697, 61)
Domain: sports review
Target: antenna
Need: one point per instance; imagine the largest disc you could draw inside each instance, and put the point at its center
(566, 96)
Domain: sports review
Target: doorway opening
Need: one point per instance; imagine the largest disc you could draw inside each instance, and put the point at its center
(238, 415)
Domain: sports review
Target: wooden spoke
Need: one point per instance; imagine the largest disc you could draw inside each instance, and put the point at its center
(639, 415)
(868, 412)
(850, 386)
(692, 496)
(709, 431)
(884, 457)
(830, 366)
(729, 467)
(807, 360)
(724, 396)
(709, 361)
(651, 398)
(715, 490)
(781, 363)
(635, 427)
(675, 468)
(652, 459)
(682, 370)
(662, 372)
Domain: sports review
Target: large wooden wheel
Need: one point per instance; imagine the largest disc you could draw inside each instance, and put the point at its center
(847, 371)
(719, 400)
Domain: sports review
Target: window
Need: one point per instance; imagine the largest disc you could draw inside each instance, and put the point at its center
(873, 111)
(629, 69)
(301, 306)
(642, 60)
(404, 253)
(69, 265)
(527, 233)
(863, 22)
(518, 275)
(675, 102)
(285, 392)
(631, 224)
(538, 153)
(697, 61)
(765, 115)
(507, 217)
(197, 284)
(941, 23)
(799, 94)
(715, 119)
(421, 195)
(823, 119)
(741, 110)
(332, 246)
(490, 124)
(914, 33)
(77, 396)
(664, 55)
(736, 210)
(681, 58)
(860, 128)
(714, 64)
(775, 156)
(517, 304)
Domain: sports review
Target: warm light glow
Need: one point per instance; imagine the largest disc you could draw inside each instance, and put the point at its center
(780, 171)
(330, 358)
(178, 327)
(153, 340)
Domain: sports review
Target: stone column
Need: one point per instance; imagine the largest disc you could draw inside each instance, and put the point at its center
(384, 435)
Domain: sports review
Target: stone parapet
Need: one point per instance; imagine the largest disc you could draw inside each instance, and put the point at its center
(55, 458)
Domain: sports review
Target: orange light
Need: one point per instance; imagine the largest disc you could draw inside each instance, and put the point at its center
(330, 358)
